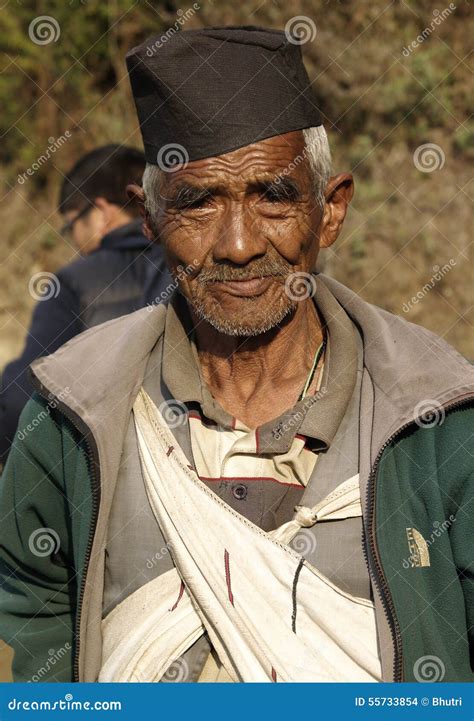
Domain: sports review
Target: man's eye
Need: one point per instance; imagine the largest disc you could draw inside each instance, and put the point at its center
(272, 197)
(198, 202)
(192, 203)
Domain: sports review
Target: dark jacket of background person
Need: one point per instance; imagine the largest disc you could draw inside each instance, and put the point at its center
(125, 273)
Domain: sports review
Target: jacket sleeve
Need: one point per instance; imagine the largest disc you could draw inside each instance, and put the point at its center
(54, 322)
(462, 544)
(37, 580)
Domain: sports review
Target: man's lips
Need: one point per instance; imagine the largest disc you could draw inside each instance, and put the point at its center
(247, 288)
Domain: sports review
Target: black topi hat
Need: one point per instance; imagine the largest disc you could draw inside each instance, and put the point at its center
(202, 93)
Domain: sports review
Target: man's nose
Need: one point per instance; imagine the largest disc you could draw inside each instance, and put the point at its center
(238, 237)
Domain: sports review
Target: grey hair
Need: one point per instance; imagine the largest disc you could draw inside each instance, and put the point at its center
(319, 159)
(316, 150)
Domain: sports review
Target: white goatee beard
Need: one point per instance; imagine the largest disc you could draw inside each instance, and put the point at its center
(240, 326)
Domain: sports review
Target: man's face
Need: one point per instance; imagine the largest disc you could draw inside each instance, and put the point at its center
(242, 222)
(87, 231)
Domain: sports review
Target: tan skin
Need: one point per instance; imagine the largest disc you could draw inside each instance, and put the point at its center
(235, 229)
(88, 231)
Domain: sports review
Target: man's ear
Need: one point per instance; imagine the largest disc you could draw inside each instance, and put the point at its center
(137, 196)
(107, 210)
(338, 195)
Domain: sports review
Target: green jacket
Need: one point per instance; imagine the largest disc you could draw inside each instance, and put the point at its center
(417, 480)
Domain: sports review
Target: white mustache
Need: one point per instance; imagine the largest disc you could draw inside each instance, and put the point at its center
(207, 276)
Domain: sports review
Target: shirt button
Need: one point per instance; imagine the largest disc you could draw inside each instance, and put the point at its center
(239, 491)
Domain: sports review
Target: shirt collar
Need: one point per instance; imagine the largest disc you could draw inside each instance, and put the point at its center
(317, 417)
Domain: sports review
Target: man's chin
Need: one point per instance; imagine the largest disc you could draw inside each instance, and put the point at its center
(248, 320)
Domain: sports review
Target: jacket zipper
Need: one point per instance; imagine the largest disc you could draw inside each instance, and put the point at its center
(385, 594)
(92, 455)
(93, 458)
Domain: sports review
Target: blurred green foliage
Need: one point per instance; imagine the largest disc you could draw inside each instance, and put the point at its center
(381, 98)
(365, 85)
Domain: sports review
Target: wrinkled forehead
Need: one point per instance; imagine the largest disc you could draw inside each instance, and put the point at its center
(270, 158)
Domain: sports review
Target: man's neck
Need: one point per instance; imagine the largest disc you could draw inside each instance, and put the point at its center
(255, 378)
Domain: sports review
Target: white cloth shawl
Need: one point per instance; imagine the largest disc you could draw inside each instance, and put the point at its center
(269, 614)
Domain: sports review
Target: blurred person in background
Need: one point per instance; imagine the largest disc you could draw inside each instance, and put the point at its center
(119, 271)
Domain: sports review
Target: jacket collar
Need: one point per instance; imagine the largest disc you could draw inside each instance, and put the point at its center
(125, 237)
(409, 366)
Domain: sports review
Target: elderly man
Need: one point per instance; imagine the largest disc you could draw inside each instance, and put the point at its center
(273, 482)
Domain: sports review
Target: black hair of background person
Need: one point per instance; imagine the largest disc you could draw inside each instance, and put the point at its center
(125, 273)
(103, 172)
